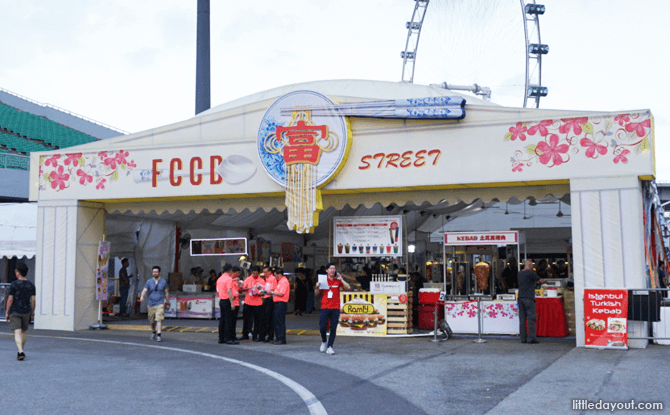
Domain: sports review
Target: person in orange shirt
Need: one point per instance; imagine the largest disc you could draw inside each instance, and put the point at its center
(330, 307)
(224, 289)
(253, 305)
(268, 303)
(235, 290)
(280, 296)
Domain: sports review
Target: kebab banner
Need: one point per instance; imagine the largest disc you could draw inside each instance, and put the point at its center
(367, 236)
(606, 318)
(362, 314)
(101, 271)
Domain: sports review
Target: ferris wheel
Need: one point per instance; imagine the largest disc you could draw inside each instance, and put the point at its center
(492, 48)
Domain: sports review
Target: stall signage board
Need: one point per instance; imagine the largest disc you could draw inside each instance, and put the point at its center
(362, 314)
(219, 246)
(481, 238)
(367, 236)
(101, 270)
(606, 318)
(388, 287)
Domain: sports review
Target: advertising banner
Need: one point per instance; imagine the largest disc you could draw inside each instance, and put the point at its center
(220, 246)
(481, 238)
(101, 271)
(606, 318)
(367, 236)
(362, 314)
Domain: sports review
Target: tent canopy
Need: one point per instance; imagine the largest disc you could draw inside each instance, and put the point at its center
(18, 229)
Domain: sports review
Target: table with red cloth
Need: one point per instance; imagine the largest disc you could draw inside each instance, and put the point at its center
(550, 320)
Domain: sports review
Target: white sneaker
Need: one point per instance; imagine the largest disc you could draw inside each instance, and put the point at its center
(330, 351)
(153, 336)
(158, 338)
(323, 347)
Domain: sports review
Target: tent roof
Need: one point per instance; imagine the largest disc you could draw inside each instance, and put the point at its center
(18, 229)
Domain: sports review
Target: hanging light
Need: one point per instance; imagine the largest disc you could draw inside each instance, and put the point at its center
(560, 213)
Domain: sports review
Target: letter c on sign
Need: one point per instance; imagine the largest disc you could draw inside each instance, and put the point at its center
(175, 164)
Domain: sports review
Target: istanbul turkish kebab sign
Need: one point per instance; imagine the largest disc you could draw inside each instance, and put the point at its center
(606, 318)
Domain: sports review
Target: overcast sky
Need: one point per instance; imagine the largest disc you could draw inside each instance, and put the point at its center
(131, 64)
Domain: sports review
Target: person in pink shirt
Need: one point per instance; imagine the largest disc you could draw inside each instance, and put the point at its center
(253, 288)
(224, 289)
(280, 296)
(235, 289)
(268, 303)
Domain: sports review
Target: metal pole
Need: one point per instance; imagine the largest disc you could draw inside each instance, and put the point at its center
(202, 72)
(435, 339)
(479, 321)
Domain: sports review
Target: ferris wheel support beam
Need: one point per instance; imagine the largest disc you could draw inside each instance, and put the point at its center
(412, 44)
(533, 88)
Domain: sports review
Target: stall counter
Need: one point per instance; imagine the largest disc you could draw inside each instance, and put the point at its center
(191, 305)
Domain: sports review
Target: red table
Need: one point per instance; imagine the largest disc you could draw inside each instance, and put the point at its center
(550, 320)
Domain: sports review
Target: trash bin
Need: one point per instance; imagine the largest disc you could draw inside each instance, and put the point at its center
(427, 316)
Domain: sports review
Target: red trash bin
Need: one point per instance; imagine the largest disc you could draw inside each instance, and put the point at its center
(427, 316)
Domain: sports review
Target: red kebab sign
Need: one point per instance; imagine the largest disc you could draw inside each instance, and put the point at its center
(606, 318)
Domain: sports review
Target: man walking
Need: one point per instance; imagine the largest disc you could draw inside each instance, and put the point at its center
(527, 280)
(20, 306)
(280, 296)
(330, 307)
(157, 288)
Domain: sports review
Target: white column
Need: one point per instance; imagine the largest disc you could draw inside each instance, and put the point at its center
(68, 233)
(608, 239)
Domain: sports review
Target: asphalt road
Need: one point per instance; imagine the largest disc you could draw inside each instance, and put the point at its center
(115, 371)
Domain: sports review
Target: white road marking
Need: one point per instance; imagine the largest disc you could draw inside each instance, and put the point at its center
(313, 404)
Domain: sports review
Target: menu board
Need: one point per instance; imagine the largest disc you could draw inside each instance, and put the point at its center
(219, 246)
(606, 318)
(367, 236)
(101, 270)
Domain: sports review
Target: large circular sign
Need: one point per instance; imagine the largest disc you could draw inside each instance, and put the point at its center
(288, 134)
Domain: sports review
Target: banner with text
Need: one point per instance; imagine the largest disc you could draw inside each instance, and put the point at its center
(606, 318)
(101, 270)
(481, 238)
(367, 236)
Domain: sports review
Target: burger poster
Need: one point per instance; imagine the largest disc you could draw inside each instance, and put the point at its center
(606, 318)
(362, 314)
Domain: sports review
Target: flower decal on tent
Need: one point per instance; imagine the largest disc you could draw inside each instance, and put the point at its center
(59, 172)
(620, 136)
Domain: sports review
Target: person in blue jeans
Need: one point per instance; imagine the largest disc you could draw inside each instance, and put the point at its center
(527, 280)
(280, 297)
(330, 307)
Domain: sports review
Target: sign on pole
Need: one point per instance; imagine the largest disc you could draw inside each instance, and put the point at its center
(606, 318)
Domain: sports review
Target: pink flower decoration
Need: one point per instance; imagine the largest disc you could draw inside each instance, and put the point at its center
(517, 167)
(121, 157)
(131, 163)
(101, 184)
(622, 118)
(621, 157)
(59, 180)
(518, 131)
(593, 148)
(541, 127)
(574, 124)
(638, 127)
(72, 158)
(53, 160)
(111, 162)
(83, 177)
(552, 151)
(102, 155)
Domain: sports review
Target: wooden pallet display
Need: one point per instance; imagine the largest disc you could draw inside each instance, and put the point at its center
(398, 315)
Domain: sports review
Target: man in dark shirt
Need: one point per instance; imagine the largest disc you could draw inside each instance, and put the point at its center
(510, 274)
(20, 305)
(527, 280)
(124, 285)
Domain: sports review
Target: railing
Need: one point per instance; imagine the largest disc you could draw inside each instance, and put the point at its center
(651, 305)
(14, 161)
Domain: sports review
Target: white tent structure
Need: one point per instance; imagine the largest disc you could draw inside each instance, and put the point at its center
(221, 168)
(18, 236)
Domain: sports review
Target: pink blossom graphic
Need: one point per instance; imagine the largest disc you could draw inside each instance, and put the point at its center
(83, 177)
(638, 127)
(592, 148)
(101, 184)
(552, 151)
(622, 157)
(574, 124)
(102, 155)
(59, 180)
(111, 162)
(72, 158)
(621, 119)
(53, 160)
(121, 157)
(518, 131)
(517, 167)
(541, 127)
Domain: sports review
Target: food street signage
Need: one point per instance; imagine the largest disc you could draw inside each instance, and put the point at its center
(481, 238)
(302, 152)
(606, 318)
